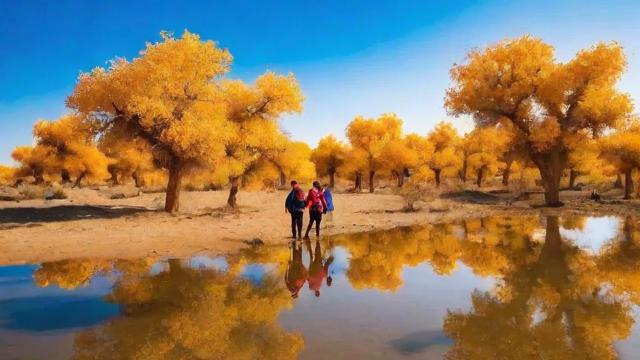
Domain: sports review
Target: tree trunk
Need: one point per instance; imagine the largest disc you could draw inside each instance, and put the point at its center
(114, 175)
(332, 179)
(137, 179)
(38, 175)
(480, 173)
(618, 183)
(283, 179)
(66, 178)
(551, 165)
(400, 178)
(573, 175)
(628, 184)
(506, 174)
(463, 171)
(357, 187)
(232, 201)
(437, 174)
(371, 176)
(172, 199)
(79, 180)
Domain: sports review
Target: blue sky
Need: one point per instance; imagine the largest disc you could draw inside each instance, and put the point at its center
(351, 57)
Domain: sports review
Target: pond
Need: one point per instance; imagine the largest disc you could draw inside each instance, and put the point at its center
(492, 288)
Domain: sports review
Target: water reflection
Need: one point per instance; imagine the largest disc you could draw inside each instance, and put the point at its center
(297, 273)
(552, 303)
(550, 295)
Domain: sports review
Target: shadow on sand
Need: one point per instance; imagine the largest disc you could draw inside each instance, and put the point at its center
(65, 213)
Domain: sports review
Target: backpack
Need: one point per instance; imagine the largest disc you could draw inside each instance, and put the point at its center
(315, 200)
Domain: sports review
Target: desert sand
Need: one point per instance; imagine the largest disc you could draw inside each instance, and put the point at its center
(89, 224)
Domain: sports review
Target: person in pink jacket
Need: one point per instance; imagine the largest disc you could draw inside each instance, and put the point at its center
(317, 206)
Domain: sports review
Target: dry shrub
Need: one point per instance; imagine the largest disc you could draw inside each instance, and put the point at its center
(413, 191)
(50, 192)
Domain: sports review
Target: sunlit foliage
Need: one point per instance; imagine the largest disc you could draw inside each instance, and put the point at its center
(622, 151)
(165, 97)
(7, 175)
(64, 150)
(255, 138)
(551, 104)
(370, 137)
(328, 157)
(446, 160)
(484, 148)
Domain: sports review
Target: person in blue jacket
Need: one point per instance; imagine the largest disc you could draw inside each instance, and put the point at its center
(295, 205)
(328, 196)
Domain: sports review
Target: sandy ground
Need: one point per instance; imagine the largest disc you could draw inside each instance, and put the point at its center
(91, 225)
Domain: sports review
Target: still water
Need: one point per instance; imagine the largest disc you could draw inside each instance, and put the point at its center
(491, 288)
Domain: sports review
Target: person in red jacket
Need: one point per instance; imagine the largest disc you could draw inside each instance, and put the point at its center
(317, 206)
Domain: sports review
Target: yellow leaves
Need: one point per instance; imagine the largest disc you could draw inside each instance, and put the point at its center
(545, 134)
(295, 162)
(65, 145)
(329, 155)
(371, 136)
(444, 139)
(281, 94)
(622, 149)
(494, 81)
(519, 81)
(7, 175)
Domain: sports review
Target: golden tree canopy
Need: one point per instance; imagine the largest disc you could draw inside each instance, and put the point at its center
(329, 155)
(548, 102)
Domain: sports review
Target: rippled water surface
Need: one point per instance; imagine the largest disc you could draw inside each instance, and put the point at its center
(492, 288)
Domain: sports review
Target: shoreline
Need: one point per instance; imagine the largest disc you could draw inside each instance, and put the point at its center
(90, 225)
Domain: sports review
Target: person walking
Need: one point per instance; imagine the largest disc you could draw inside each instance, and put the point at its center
(290, 207)
(317, 206)
(328, 196)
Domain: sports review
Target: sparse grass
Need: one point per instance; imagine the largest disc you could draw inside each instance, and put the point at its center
(47, 192)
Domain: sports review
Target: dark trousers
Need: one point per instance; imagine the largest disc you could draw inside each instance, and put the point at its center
(314, 217)
(296, 223)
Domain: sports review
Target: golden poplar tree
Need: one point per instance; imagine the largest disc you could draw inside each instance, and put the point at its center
(446, 159)
(173, 98)
(254, 136)
(328, 157)
(397, 158)
(484, 148)
(294, 162)
(354, 166)
(548, 102)
(622, 150)
(64, 149)
(369, 137)
(165, 97)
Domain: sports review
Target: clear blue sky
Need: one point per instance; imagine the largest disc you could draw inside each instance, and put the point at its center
(351, 57)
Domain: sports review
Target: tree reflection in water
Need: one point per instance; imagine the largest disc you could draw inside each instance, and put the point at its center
(185, 313)
(553, 299)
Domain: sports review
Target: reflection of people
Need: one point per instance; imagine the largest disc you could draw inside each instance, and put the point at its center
(328, 196)
(317, 270)
(317, 206)
(290, 207)
(296, 274)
